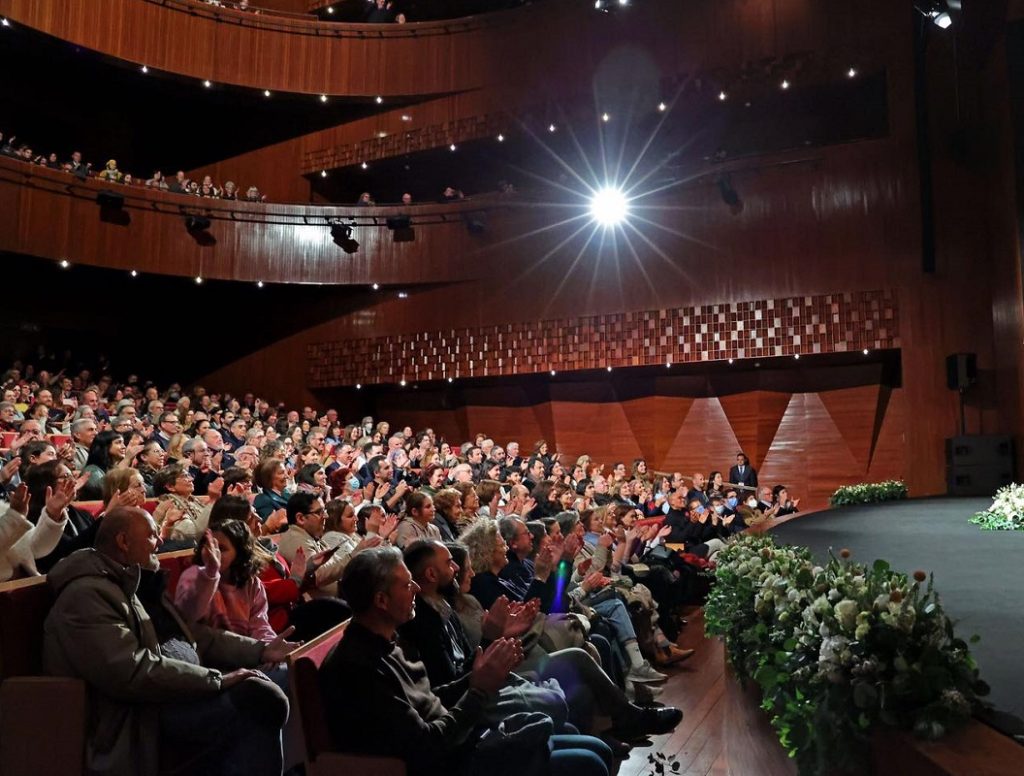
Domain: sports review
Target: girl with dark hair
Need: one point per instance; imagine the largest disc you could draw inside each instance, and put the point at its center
(106, 452)
(715, 484)
(222, 587)
(312, 478)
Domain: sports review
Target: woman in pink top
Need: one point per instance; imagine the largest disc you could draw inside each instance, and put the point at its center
(222, 588)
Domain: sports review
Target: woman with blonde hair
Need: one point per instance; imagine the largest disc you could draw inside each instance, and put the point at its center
(176, 448)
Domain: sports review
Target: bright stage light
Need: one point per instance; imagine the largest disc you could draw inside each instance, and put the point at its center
(609, 206)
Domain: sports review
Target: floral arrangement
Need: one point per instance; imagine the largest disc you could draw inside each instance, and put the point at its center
(869, 493)
(1006, 512)
(839, 649)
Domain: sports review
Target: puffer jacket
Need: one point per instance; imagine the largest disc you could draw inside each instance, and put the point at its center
(98, 631)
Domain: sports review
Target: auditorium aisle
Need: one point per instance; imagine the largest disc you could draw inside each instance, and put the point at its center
(698, 688)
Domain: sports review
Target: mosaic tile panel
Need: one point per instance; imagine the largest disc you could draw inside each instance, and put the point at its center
(825, 323)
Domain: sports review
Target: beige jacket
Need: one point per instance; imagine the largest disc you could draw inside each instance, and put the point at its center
(327, 575)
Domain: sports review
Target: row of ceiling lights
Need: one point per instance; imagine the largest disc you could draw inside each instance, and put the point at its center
(65, 264)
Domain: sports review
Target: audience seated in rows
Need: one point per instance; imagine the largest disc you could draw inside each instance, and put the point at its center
(529, 585)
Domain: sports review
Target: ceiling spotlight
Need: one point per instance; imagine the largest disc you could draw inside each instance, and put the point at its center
(552, 127)
(323, 173)
(406, 117)
(623, 2)
(359, 386)
(796, 356)
(259, 284)
(784, 84)
(609, 206)
(553, 373)
(402, 295)
(722, 96)
(730, 360)
(5, 23)
(199, 280)
(64, 263)
(851, 73)
(451, 147)
(402, 382)
(266, 92)
(323, 98)
(942, 20)
(605, 117)
(379, 99)
(134, 274)
(865, 351)
(609, 368)
(376, 286)
(501, 138)
(365, 166)
(668, 364)
(451, 379)
(662, 106)
(330, 9)
(144, 69)
(207, 84)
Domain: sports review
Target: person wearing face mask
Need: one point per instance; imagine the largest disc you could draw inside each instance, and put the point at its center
(748, 514)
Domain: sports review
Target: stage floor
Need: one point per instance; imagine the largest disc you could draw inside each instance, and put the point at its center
(979, 574)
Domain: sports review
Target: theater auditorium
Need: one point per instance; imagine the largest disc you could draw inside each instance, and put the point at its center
(511, 387)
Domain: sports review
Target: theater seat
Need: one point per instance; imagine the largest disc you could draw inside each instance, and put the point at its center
(42, 726)
(303, 667)
(30, 703)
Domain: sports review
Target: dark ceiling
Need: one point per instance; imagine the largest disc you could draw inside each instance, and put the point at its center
(59, 97)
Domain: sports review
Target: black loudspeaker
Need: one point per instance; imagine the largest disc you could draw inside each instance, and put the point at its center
(961, 371)
(978, 465)
(197, 223)
(108, 200)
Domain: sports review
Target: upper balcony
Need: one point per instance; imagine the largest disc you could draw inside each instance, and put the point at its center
(53, 214)
(290, 52)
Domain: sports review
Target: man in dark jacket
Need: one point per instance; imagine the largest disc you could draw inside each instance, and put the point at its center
(381, 703)
(155, 705)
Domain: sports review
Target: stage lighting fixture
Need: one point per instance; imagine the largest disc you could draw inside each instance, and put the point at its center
(342, 236)
(943, 20)
(144, 69)
(64, 263)
(109, 200)
(134, 273)
(195, 224)
(609, 206)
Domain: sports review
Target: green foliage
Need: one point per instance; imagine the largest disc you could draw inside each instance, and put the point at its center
(869, 493)
(1006, 512)
(838, 650)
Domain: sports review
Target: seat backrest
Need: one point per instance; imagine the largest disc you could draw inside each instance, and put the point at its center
(173, 564)
(7, 439)
(24, 604)
(303, 669)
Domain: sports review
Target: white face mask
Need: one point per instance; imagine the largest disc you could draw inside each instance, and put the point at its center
(752, 503)
(719, 509)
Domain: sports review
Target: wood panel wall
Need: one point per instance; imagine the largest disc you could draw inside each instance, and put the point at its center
(811, 442)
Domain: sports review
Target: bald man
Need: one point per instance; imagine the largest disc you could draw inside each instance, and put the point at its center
(154, 702)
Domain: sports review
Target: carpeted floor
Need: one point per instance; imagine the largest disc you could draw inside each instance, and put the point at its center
(978, 574)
